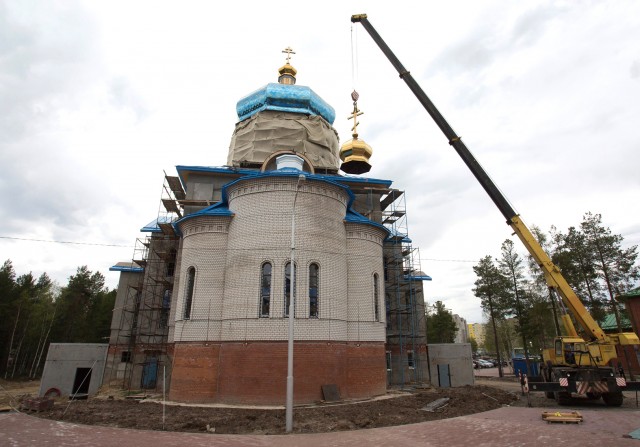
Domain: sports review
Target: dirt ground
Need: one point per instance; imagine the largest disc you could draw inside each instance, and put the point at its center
(12, 392)
(397, 408)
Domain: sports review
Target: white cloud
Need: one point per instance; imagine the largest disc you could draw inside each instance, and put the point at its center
(98, 98)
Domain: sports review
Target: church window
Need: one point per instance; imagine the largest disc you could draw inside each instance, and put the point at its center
(376, 297)
(188, 297)
(288, 287)
(313, 290)
(265, 289)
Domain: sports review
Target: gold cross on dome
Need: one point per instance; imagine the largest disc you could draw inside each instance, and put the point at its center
(355, 114)
(289, 52)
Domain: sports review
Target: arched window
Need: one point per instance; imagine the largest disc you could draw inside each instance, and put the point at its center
(265, 289)
(288, 287)
(313, 290)
(188, 292)
(376, 300)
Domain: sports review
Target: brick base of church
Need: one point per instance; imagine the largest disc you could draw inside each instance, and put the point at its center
(256, 372)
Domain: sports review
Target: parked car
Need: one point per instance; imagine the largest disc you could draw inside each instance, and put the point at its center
(485, 363)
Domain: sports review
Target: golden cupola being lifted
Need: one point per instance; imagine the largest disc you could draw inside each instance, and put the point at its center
(355, 153)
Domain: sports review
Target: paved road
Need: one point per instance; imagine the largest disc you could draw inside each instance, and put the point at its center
(507, 426)
(493, 372)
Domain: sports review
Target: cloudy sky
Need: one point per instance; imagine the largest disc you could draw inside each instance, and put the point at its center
(98, 98)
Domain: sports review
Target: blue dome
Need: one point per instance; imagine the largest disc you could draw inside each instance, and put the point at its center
(285, 98)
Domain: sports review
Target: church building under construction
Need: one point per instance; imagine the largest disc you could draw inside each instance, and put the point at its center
(202, 310)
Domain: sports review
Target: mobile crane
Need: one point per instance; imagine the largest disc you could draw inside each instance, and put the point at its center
(576, 364)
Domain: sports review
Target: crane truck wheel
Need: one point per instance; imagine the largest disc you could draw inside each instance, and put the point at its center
(562, 397)
(613, 399)
(546, 375)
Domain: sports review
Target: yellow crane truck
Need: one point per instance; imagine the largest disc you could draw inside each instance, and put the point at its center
(585, 364)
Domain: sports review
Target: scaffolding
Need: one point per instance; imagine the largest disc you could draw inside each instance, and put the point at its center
(404, 298)
(139, 346)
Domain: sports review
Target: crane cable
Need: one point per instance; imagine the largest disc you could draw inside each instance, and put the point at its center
(354, 56)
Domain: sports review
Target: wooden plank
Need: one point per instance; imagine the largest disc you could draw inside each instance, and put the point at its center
(572, 417)
(436, 404)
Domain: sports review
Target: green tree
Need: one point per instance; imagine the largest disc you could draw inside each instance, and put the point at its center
(35, 312)
(100, 313)
(441, 327)
(26, 305)
(512, 267)
(35, 303)
(492, 289)
(614, 265)
(474, 345)
(77, 308)
(506, 336)
(9, 313)
(575, 258)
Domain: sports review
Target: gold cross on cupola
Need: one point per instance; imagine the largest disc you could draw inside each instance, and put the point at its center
(287, 72)
(355, 113)
(289, 52)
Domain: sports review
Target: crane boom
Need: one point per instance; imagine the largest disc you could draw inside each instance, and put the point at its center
(552, 273)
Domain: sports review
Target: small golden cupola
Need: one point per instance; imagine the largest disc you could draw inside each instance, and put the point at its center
(355, 153)
(287, 72)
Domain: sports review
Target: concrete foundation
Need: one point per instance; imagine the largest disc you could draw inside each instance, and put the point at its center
(73, 368)
(450, 364)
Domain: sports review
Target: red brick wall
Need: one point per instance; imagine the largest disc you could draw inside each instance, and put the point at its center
(256, 372)
(195, 372)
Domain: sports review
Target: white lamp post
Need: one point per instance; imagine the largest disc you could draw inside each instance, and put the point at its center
(292, 279)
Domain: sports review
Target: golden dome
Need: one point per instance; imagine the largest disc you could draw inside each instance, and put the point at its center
(355, 153)
(287, 72)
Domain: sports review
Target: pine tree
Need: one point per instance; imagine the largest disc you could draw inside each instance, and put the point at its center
(76, 318)
(492, 289)
(512, 267)
(441, 327)
(575, 259)
(613, 264)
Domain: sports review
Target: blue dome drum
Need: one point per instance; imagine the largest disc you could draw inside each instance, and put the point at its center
(285, 98)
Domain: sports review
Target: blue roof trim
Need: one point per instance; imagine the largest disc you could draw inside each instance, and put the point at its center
(349, 179)
(152, 227)
(285, 98)
(355, 217)
(116, 268)
(396, 236)
(221, 208)
(418, 278)
(217, 209)
(346, 180)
